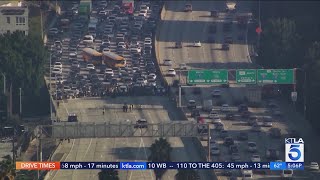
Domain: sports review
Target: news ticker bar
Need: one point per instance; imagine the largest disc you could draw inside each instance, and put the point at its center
(157, 165)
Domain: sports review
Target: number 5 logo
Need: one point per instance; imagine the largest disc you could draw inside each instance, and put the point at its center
(294, 149)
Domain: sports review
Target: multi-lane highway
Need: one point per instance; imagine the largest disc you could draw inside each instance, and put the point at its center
(190, 27)
(159, 109)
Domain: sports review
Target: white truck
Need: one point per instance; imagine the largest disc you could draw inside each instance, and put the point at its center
(207, 105)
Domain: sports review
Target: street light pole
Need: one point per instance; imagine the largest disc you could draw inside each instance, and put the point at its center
(20, 103)
(4, 83)
(50, 90)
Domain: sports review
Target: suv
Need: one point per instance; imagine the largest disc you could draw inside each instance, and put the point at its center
(195, 113)
(141, 123)
(188, 8)
(72, 118)
(192, 104)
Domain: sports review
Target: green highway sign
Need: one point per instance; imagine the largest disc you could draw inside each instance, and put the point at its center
(217, 76)
(246, 76)
(275, 76)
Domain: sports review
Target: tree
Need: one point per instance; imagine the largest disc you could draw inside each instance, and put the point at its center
(187, 175)
(108, 174)
(160, 152)
(22, 60)
(7, 168)
(279, 44)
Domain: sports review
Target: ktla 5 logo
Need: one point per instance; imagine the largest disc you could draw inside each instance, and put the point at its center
(294, 150)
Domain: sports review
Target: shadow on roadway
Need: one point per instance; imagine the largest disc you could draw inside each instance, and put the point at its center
(199, 26)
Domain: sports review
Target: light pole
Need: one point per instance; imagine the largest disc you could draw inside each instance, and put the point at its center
(20, 103)
(4, 83)
(50, 90)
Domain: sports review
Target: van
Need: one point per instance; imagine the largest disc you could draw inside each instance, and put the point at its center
(207, 105)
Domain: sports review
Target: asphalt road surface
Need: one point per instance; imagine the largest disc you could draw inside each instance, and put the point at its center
(190, 27)
(117, 149)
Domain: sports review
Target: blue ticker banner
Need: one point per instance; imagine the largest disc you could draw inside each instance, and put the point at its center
(286, 165)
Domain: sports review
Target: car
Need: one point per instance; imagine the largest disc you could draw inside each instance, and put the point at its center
(167, 62)
(214, 13)
(141, 81)
(252, 120)
(224, 133)
(56, 71)
(121, 45)
(75, 64)
(90, 66)
(245, 114)
(216, 93)
(272, 154)
(109, 72)
(197, 44)
(183, 66)
(214, 150)
(136, 49)
(225, 47)
(246, 174)
(216, 120)
(230, 116)
(57, 65)
(66, 88)
(213, 114)
(88, 39)
(152, 76)
(242, 136)
(233, 149)
(228, 40)
(255, 158)
(171, 72)
(235, 157)
(252, 146)
(106, 50)
(141, 123)
(191, 104)
(314, 166)
(188, 8)
(195, 113)
(275, 132)
(178, 45)
(287, 173)
(242, 108)
(224, 108)
(256, 128)
(72, 117)
(219, 126)
(228, 141)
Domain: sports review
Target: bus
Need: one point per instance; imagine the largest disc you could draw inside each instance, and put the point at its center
(113, 60)
(92, 56)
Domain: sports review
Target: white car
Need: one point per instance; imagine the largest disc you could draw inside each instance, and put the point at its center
(225, 108)
(255, 158)
(88, 39)
(142, 81)
(57, 71)
(109, 71)
(57, 65)
(216, 120)
(121, 45)
(90, 66)
(197, 44)
(314, 166)
(152, 82)
(214, 150)
(167, 62)
(252, 146)
(143, 12)
(152, 76)
(216, 93)
(183, 66)
(171, 72)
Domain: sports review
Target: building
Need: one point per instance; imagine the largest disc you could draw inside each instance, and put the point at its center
(13, 17)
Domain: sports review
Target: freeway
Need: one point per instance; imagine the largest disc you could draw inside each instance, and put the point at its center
(116, 149)
(179, 26)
